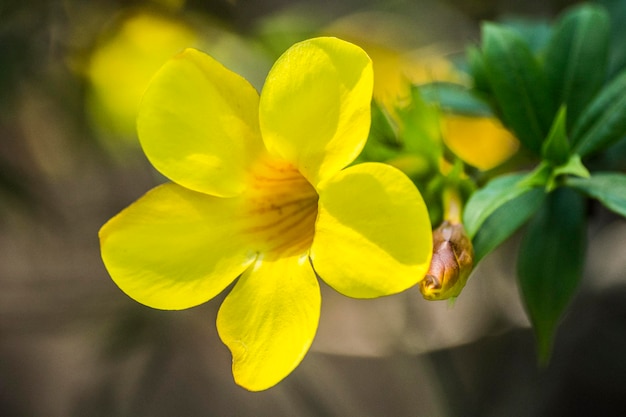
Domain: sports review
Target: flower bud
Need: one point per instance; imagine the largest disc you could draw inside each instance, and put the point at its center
(451, 264)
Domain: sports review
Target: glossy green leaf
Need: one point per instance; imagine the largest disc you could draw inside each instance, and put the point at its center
(607, 187)
(577, 57)
(604, 121)
(556, 146)
(455, 98)
(550, 263)
(489, 198)
(518, 84)
(505, 220)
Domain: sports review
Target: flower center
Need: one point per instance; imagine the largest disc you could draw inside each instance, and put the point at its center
(282, 207)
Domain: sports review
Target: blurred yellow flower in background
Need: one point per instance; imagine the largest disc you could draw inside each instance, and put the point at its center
(260, 191)
(396, 64)
(123, 63)
(479, 141)
(482, 142)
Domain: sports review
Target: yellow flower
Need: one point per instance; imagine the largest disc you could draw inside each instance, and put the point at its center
(121, 67)
(259, 191)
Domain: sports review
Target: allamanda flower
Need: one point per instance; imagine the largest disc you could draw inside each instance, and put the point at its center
(260, 191)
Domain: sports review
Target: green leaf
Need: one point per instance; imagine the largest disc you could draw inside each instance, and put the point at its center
(489, 198)
(550, 263)
(505, 220)
(519, 85)
(419, 128)
(607, 187)
(454, 98)
(477, 70)
(577, 57)
(382, 126)
(538, 177)
(617, 12)
(382, 143)
(556, 146)
(604, 121)
(535, 32)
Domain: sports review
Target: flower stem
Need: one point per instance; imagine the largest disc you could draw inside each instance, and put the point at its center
(452, 204)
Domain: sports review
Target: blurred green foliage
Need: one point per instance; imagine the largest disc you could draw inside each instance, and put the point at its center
(571, 72)
(560, 87)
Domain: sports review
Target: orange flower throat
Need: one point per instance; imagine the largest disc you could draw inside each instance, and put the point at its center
(282, 207)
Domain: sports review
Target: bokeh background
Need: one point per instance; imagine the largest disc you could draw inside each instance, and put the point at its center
(72, 344)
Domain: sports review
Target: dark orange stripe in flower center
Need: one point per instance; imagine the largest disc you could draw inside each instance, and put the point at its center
(281, 206)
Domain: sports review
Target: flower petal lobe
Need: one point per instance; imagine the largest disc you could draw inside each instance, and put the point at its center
(198, 124)
(269, 320)
(315, 106)
(373, 235)
(175, 248)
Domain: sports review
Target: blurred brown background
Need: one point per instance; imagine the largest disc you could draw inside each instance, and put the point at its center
(72, 344)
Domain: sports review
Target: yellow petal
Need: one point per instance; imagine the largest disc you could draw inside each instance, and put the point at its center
(315, 106)
(174, 248)
(479, 141)
(373, 235)
(269, 320)
(198, 124)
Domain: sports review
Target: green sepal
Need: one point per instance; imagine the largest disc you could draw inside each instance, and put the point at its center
(550, 263)
(603, 122)
(518, 84)
(548, 176)
(505, 221)
(556, 146)
(607, 187)
(573, 166)
(577, 57)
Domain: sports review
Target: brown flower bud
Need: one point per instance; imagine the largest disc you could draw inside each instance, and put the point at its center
(451, 264)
